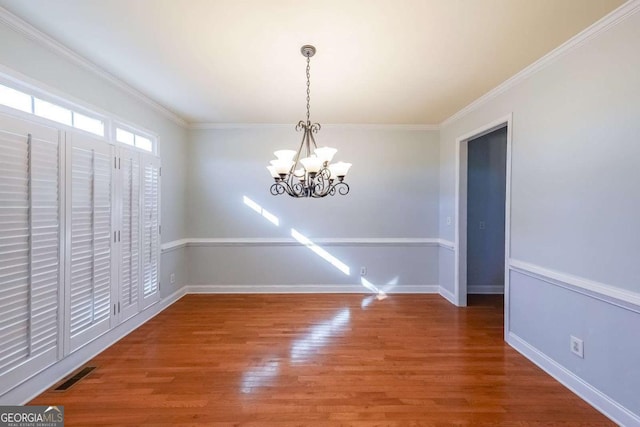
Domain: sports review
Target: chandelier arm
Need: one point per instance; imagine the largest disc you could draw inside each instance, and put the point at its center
(296, 159)
(309, 140)
(343, 188)
(313, 140)
(275, 189)
(278, 188)
(322, 184)
(292, 189)
(297, 190)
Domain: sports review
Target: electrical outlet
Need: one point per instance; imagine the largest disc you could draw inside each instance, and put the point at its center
(363, 271)
(172, 278)
(448, 220)
(483, 225)
(577, 347)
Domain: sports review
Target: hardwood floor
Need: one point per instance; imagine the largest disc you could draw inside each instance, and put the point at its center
(320, 360)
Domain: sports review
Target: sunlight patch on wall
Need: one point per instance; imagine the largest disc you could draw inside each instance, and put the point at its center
(262, 211)
(320, 252)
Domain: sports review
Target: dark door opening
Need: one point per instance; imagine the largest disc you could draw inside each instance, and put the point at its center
(486, 192)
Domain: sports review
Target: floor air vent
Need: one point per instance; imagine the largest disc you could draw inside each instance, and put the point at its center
(72, 380)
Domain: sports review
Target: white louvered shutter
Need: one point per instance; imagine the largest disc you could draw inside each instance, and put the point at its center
(151, 230)
(89, 294)
(30, 233)
(130, 232)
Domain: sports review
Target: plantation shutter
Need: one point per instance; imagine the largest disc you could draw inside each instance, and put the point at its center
(89, 296)
(29, 248)
(130, 235)
(151, 230)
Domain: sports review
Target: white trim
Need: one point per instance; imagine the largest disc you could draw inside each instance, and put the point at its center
(350, 126)
(615, 17)
(174, 245)
(507, 228)
(460, 224)
(460, 260)
(36, 89)
(33, 87)
(383, 126)
(42, 380)
(485, 290)
(325, 241)
(603, 403)
(607, 293)
(136, 131)
(447, 295)
(447, 244)
(228, 126)
(305, 289)
(26, 29)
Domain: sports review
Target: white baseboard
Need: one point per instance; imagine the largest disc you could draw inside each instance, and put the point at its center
(447, 295)
(44, 379)
(305, 289)
(485, 290)
(609, 407)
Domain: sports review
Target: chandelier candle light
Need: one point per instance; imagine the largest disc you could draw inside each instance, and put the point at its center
(312, 175)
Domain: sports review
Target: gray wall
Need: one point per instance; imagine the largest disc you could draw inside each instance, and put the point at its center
(27, 57)
(487, 162)
(574, 200)
(575, 204)
(394, 195)
(545, 315)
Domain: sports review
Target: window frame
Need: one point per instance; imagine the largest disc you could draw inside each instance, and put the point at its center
(38, 94)
(137, 132)
(110, 122)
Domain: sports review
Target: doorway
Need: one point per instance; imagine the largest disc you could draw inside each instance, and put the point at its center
(474, 224)
(486, 193)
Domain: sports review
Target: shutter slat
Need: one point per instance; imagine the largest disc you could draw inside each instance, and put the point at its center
(151, 239)
(130, 226)
(29, 241)
(90, 237)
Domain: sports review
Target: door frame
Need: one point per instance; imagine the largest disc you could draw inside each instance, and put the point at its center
(460, 273)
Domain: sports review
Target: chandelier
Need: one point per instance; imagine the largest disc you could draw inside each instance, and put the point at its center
(312, 175)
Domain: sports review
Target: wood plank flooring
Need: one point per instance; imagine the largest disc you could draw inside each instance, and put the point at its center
(320, 360)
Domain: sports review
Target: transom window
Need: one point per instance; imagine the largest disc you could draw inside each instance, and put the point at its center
(69, 116)
(134, 139)
(28, 103)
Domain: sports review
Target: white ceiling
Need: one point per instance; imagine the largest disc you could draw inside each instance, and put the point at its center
(378, 61)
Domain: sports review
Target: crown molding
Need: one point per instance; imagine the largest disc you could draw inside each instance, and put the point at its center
(226, 126)
(611, 20)
(26, 29)
(349, 126)
(382, 126)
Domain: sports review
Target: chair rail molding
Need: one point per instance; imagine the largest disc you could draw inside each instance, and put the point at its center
(322, 241)
(607, 293)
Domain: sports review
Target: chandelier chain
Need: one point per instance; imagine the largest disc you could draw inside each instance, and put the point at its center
(308, 88)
